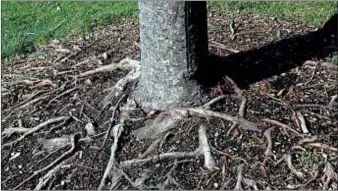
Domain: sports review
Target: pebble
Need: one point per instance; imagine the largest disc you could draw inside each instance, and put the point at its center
(215, 185)
(88, 82)
(20, 166)
(104, 55)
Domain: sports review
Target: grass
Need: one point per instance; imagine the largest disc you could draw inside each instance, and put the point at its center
(27, 23)
(309, 159)
(311, 12)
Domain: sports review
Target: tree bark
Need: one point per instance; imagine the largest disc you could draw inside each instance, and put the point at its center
(174, 48)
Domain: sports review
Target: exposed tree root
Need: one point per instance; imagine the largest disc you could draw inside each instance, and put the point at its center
(268, 152)
(222, 46)
(213, 101)
(35, 129)
(64, 123)
(151, 148)
(321, 146)
(332, 101)
(169, 179)
(245, 124)
(139, 183)
(239, 177)
(241, 111)
(312, 179)
(229, 156)
(117, 131)
(329, 175)
(116, 177)
(27, 104)
(328, 65)
(310, 142)
(307, 140)
(203, 148)
(64, 156)
(204, 145)
(242, 180)
(120, 85)
(47, 177)
(161, 124)
(62, 94)
(46, 157)
(30, 97)
(232, 127)
(107, 134)
(250, 183)
(126, 63)
(284, 126)
(288, 159)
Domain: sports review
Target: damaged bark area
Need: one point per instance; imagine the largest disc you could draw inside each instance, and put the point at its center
(174, 46)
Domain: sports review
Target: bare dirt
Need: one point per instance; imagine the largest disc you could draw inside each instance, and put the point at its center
(46, 85)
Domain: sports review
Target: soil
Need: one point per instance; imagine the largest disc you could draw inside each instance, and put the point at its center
(46, 73)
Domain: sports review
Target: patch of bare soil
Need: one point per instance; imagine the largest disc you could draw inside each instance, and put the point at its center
(65, 124)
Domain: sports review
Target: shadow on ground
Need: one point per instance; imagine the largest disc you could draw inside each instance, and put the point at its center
(251, 66)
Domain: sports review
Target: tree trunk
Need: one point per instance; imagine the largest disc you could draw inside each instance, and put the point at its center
(174, 47)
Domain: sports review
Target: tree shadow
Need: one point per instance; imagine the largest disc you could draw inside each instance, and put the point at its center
(276, 58)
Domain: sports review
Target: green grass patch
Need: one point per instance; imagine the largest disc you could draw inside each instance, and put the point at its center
(312, 12)
(27, 23)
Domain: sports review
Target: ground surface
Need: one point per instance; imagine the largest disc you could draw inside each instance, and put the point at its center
(25, 25)
(45, 86)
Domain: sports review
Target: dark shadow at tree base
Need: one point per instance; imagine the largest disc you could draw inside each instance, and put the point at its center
(257, 64)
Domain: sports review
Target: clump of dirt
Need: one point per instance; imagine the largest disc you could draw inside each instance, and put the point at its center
(47, 92)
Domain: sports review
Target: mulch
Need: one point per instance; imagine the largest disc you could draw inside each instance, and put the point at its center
(48, 77)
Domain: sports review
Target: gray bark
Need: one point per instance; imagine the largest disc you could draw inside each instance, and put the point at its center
(174, 48)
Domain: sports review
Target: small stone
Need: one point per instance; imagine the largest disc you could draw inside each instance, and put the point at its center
(104, 55)
(20, 166)
(215, 185)
(88, 82)
(90, 129)
(55, 41)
